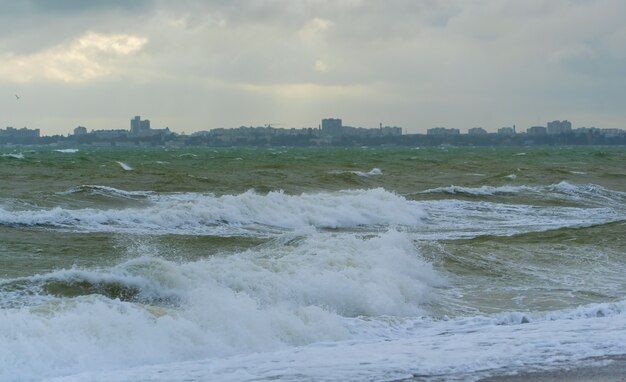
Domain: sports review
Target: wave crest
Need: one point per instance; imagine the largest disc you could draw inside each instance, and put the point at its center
(194, 213)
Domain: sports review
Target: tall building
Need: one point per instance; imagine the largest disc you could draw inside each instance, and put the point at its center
(80, 130)
(138, 126)
(332, 126)
(559, 127)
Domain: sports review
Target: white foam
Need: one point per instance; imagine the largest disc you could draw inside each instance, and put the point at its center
(455, 219)
(105, 190)
(481, 191)
(561, 190)
(462, 349)
(14, 155)
(372, 172)
(295, 292)
(193, 213)
(67, 151)
(124, 166)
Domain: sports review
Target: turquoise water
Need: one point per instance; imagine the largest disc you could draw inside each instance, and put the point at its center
(239, 258)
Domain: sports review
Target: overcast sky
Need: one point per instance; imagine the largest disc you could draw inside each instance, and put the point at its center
(196, 65)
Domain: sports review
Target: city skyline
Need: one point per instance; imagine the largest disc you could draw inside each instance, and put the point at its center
(199, 65)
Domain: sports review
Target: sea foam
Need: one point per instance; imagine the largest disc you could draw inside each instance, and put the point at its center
(561, 190)
(462, 349)
(296, 291)
(194, 213)
(124, 166)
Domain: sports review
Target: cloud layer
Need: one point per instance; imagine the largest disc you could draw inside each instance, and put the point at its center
(196, 65)
(89, 57)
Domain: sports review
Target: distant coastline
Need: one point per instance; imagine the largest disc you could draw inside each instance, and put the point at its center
(407, 140)
(331, 132)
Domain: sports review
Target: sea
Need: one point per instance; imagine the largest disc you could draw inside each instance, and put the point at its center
(310, 264)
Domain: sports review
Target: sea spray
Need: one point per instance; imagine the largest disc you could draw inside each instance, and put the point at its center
(210, 214)
(288, 292)
(124, 166)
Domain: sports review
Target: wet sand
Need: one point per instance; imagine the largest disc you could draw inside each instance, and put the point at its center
(614, 370)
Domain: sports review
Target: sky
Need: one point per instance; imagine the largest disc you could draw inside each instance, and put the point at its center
(197, 65)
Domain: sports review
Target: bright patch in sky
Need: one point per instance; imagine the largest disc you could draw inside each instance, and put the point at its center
(90, 56)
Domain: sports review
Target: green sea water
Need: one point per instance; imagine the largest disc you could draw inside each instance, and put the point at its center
(530, 230)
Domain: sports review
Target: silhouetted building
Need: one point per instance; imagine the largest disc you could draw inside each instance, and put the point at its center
(332, 126)
(506, 130)
(138, 126)
(80, 130)
(559, 127)
(110, 134)
(11, 132)
(536, 131)
(390, 130)
(477, 131)
(443, 131)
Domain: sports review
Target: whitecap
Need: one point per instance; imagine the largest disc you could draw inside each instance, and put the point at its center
(194, 213)
(14, 155)
(297, 292)
(124, 166)
(106, 191)
(372, 172)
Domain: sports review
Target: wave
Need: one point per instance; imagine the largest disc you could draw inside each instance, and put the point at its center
(478, 191)
(124, 166)
(558, 190)
(67, 151)
(467, 348)
(263, 215)
(14, 155)
(460, 219)
(373, 172)
(106, 191)
(297, 291)
(193, 213)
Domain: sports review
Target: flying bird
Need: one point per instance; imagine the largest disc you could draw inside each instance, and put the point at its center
(16, 96)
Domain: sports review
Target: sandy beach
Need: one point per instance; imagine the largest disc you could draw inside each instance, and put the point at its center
(614, 370)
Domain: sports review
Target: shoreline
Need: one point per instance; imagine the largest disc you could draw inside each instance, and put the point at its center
(602, 369)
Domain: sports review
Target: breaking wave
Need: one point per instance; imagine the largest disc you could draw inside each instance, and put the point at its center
(560, 190)
(292, 292)
(106, 191)
(193, 213)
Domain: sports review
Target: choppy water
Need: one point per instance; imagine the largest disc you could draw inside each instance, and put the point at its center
(309, 264)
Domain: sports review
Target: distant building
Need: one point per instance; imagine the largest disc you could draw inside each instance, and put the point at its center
(332, 126)
(559, 127)
(477, 131)
(506, 131)
(612, 133)
(536, 131)
(110, 134)
(138, 126)
(11, 132)
(442, 131)
(80, 130)
(141, 128)
(390, 130)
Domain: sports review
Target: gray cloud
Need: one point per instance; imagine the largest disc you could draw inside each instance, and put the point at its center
(222, 63)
